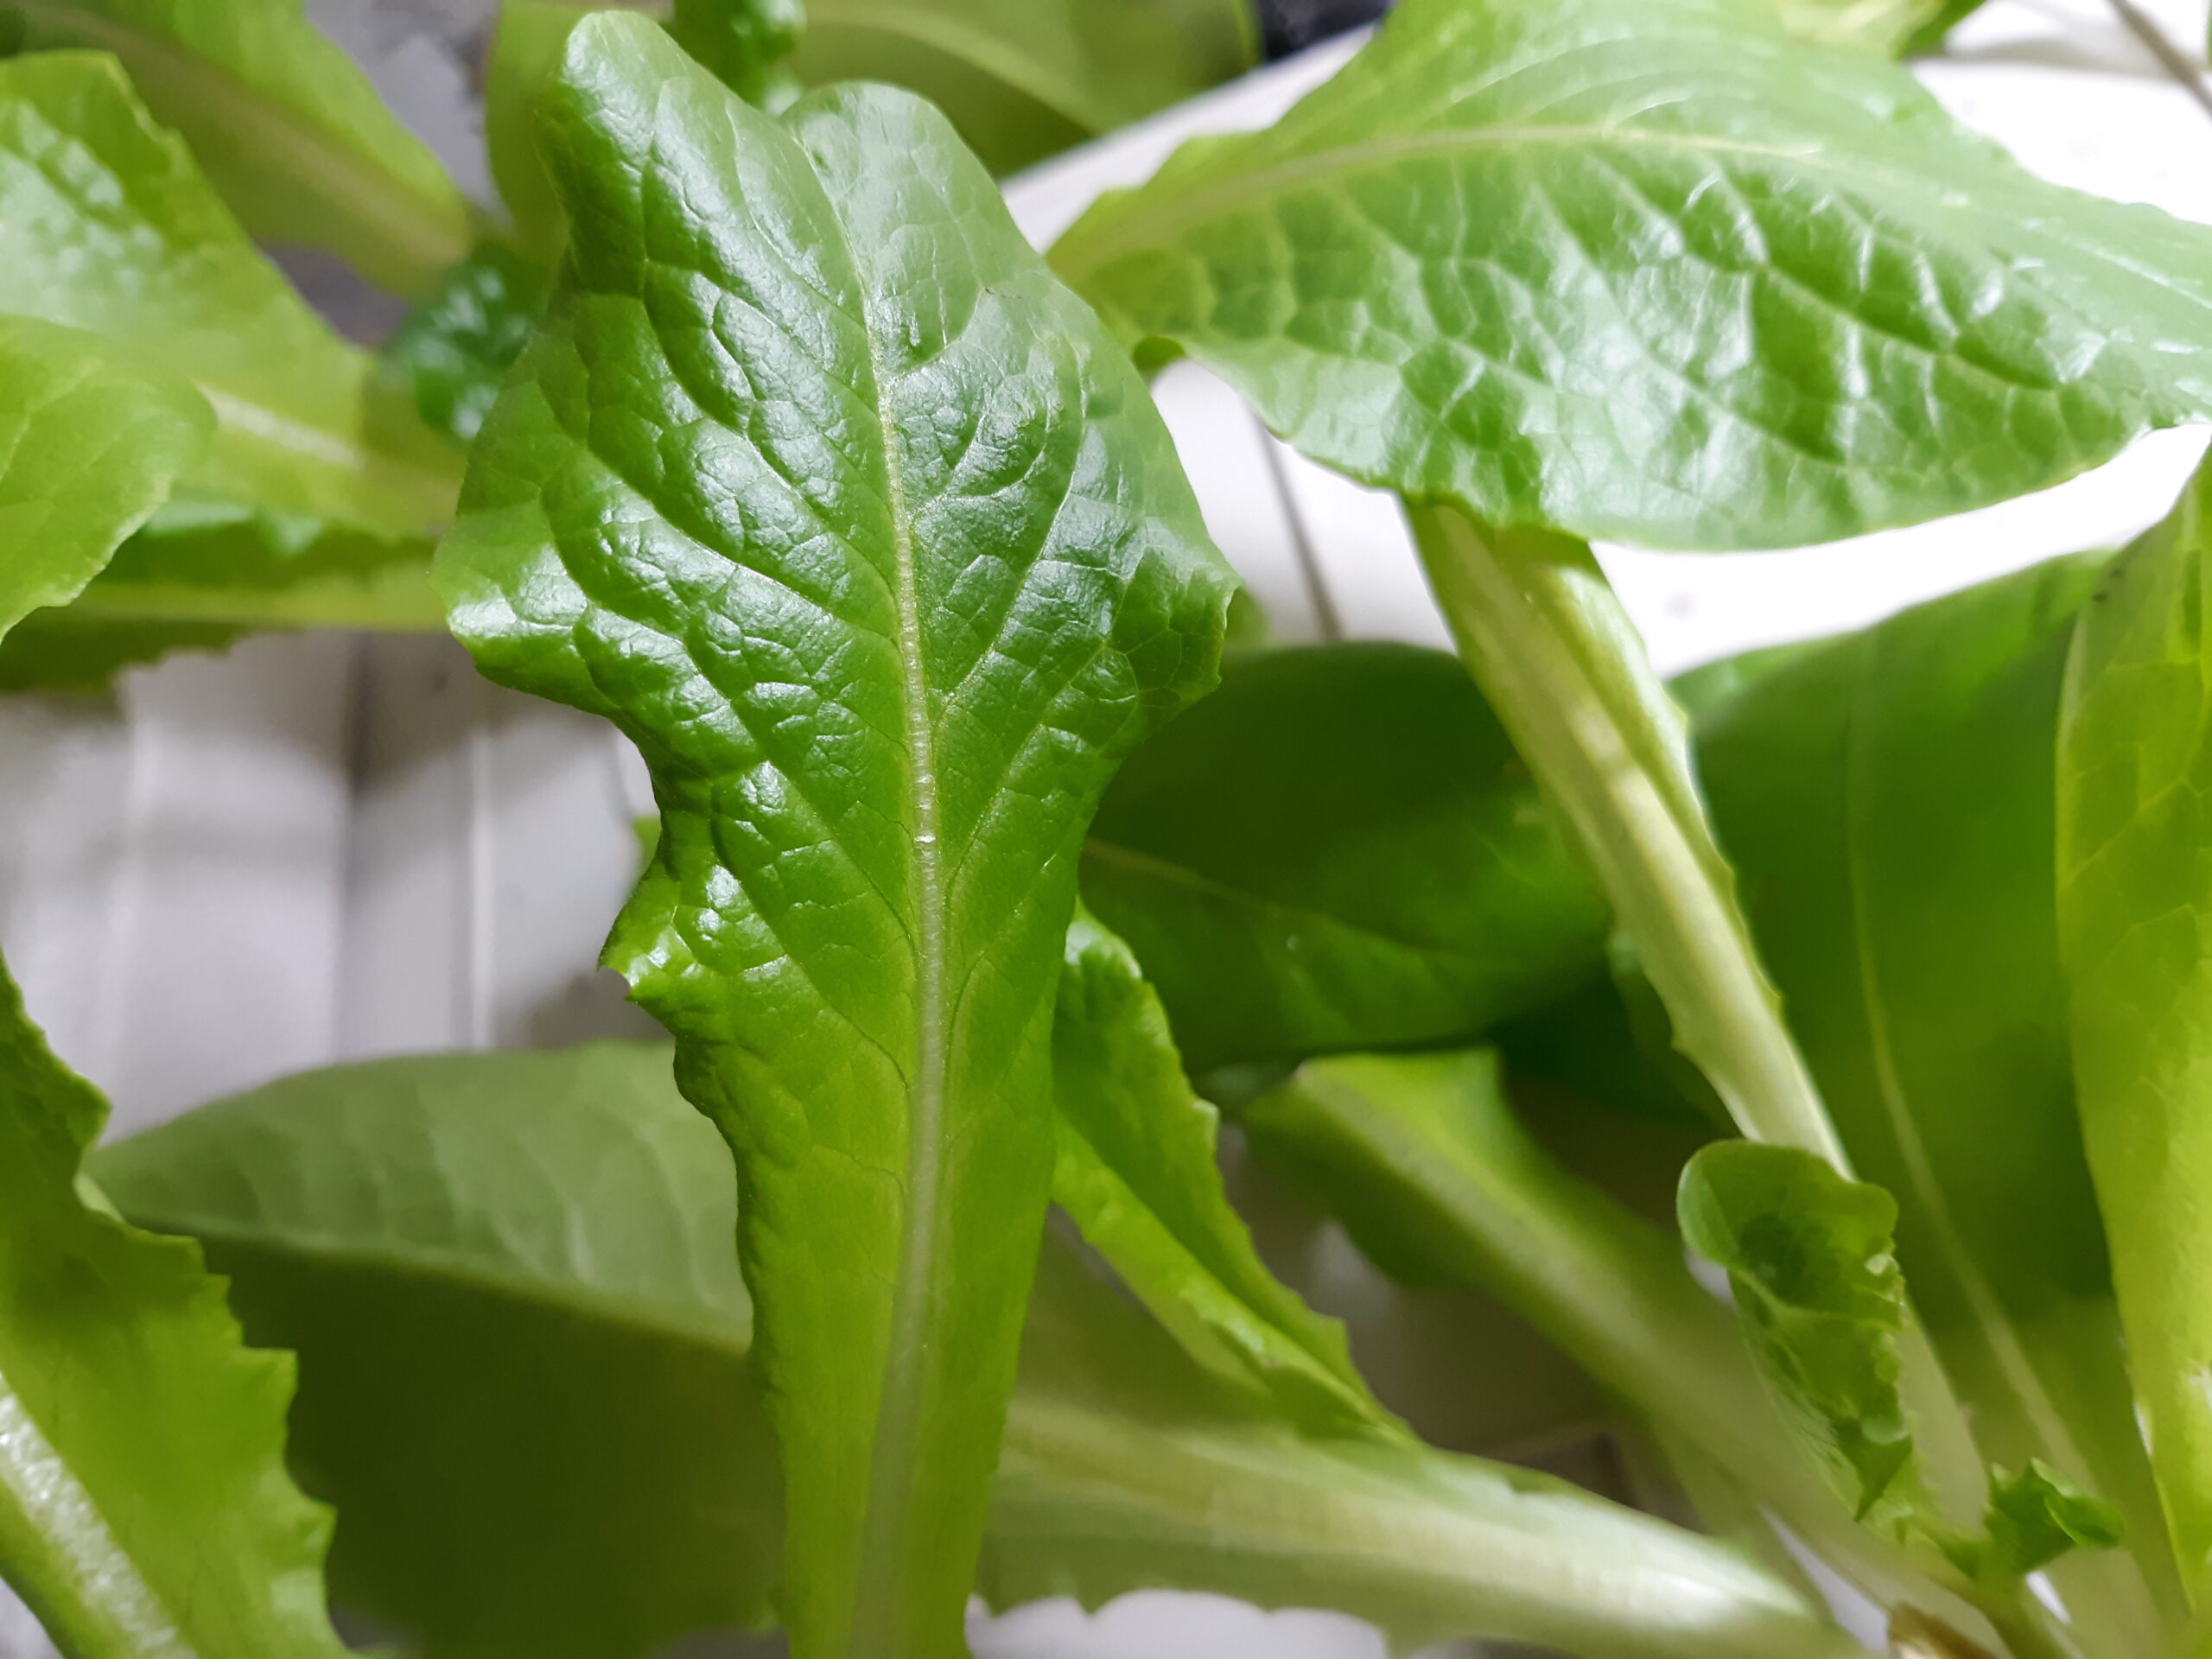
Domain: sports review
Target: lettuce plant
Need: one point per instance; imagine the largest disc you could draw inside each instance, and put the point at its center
(1808, 1050)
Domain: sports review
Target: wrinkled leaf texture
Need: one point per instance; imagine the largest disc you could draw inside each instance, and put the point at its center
(821, 489)
(1651, 270)
(525, 1375)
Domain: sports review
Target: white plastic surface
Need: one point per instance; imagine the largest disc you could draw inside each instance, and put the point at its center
(324, 848)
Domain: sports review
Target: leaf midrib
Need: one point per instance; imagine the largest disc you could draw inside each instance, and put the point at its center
(898, 1425)
(394, 208)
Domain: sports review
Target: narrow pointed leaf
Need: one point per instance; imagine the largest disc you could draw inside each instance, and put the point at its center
(854, 519)
(525, 1374)
(107, 225)
(2133, 767)
(1339, 849)
(1136, 1170)
(1649, 269)
(283, 121)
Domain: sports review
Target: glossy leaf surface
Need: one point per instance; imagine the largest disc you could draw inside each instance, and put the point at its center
(493, 1264)
(1021, 79)
(454, 351)
(1339, 849)
(1136, 1171)
(2133, 767)
(1887, 799)
(289, 129)
(107, 225)
(855, 521)
(1651, 270)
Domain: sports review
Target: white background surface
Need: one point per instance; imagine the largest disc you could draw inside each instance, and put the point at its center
(325, 847)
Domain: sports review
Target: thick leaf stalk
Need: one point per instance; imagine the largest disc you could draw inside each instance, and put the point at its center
(858, 524)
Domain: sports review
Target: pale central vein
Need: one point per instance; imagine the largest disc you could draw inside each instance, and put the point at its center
(890, 1468)
(37, 1482)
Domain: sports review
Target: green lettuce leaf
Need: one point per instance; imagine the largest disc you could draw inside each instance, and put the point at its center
(524, 1373)
(2133, 767)
(1022, 79)
(1809, 1255)
(1426, 1164)
(1339, 849)
(1136, 1171)
(454, 351)
(1647, 270)
(106, 225)
(1892, 27)
(288, 128)
(1810, 1258)
(202, 574)
(854, 519)
(525, 53)
(145, 1507)
(89, 448)
(1887, 799)
(746, 43)
(143, 1504)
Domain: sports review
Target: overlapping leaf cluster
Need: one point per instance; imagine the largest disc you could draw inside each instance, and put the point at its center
(787, 456)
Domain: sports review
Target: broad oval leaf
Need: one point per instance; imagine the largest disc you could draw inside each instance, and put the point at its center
(824, 490)
(1647, 270)
(289, 129)
(525, 1374)
(1136, 1171)
(1337, 849)
(2134, 768)
(106, 225)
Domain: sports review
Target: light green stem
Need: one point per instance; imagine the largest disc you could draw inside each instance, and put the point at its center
(1545, 638)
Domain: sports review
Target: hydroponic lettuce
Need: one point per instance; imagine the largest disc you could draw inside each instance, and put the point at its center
(785, 454)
